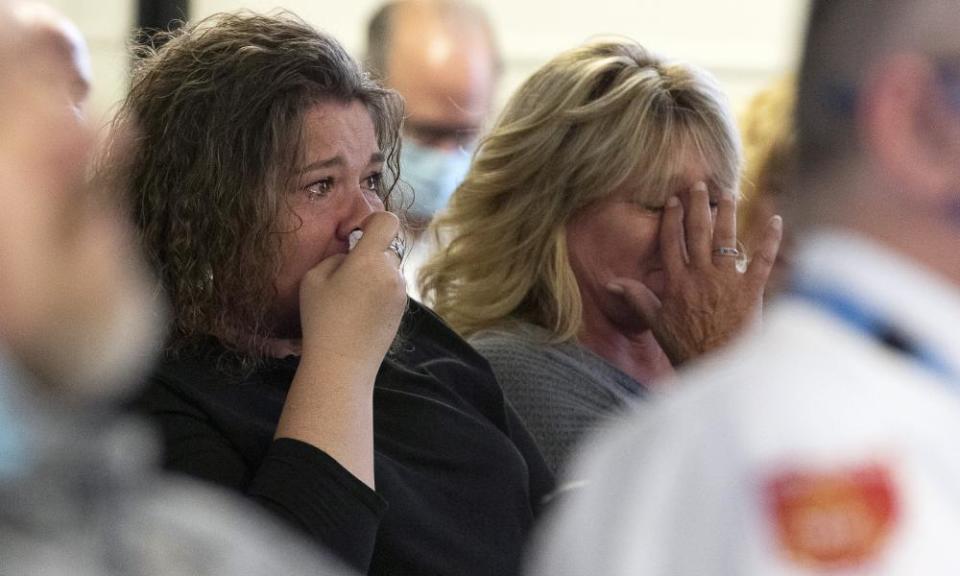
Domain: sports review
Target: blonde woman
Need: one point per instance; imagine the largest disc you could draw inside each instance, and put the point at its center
(592, 247)
(768, 148)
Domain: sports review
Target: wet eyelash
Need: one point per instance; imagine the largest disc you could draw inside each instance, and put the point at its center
(376, 179)
(325, 183)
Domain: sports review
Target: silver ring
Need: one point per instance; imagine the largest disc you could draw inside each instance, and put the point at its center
(726, 251)
(397, 246)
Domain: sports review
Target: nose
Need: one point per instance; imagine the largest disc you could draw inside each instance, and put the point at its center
(449, 143)
(356, 206)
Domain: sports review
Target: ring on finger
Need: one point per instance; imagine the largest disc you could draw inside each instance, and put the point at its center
(397, 246)
(726, 251)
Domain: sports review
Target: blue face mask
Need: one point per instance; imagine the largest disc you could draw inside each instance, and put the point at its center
(433, 174)
(13, 455)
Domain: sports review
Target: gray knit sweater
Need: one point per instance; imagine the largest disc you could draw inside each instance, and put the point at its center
(562, 391)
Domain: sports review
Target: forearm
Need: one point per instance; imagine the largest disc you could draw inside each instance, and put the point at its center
(330, 407)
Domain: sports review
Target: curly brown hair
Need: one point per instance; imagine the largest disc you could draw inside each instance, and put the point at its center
(218, 115)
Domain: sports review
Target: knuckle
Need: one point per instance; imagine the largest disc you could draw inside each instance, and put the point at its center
(389, 219)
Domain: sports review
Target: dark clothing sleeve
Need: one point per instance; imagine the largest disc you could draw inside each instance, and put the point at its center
(463, 478)
(542, 480)
(313, 490)
(296, 481)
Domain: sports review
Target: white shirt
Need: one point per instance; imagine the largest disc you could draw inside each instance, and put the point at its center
(809, 448)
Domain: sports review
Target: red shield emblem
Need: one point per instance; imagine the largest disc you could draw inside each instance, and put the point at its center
(833, 519)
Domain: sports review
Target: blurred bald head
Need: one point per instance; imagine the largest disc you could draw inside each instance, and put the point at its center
(48, 46)
(442, 57)
(878, 125)
(76, 308)
(847, 40)
(44, 84)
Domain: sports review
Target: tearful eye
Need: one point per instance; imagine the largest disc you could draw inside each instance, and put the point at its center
(320, 188)
(374, 182)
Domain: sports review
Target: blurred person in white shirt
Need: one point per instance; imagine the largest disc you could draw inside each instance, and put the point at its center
(825, 443)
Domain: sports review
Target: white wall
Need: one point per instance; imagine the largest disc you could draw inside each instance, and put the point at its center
(744, 42)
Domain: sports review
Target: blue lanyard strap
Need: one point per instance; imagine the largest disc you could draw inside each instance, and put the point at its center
(868, 322)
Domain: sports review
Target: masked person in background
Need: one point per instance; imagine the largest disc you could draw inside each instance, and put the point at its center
(78, 324)
(441, 56)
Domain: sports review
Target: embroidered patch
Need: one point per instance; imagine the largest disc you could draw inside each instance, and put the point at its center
(833, 519)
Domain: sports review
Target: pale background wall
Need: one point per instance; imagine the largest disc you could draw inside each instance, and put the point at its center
(744, 42)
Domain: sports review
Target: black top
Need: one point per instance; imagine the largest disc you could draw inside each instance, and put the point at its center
(458, 478)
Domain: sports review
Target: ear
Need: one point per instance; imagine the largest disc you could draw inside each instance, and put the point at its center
(908, 128)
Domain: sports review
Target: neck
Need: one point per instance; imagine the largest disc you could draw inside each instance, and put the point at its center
(636, 353)
(925, 232)
(920, 225)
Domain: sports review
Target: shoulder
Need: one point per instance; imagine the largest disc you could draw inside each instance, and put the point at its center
(424, 336)
(524, 363)
(209, 379)
(806, 405)
(505, 343)
(521, 347)
(430, 360)
(524, 357)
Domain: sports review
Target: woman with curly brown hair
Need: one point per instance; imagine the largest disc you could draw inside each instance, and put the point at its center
(260, 156)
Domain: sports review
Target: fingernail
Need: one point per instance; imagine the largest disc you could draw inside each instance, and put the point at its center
(615, 288)
(701, 185)
(673, 202)
(777, 222)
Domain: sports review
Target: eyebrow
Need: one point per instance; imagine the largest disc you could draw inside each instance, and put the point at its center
(375, 158)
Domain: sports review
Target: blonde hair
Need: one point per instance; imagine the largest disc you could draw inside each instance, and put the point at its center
(769, 141)
(574, 132)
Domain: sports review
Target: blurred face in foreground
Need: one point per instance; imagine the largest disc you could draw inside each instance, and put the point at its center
(75, 308)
